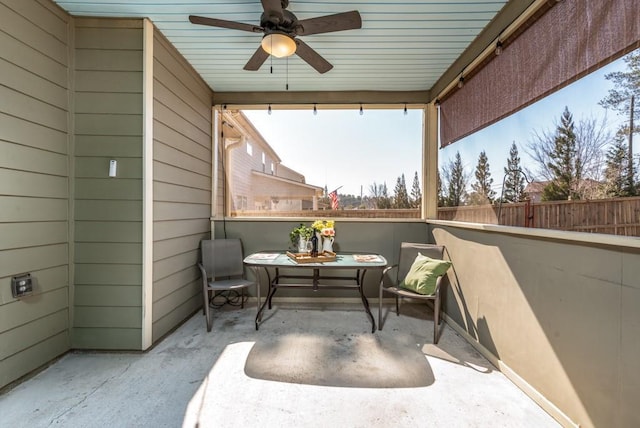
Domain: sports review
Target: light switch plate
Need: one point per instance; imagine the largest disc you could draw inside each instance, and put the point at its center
(113, 168)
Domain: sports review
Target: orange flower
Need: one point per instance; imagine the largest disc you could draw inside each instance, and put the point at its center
(328, 231)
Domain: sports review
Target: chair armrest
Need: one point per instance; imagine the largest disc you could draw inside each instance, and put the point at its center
(203, 273)
(388, 268)
(201, 267)
(437, 289)
(438, 281)
(384, 272)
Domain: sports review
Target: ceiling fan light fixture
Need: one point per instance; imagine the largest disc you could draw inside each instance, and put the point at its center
(279, 45)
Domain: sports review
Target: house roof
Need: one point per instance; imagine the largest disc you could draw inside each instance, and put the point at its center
(404, 49)
(317, 189)
(240, 126)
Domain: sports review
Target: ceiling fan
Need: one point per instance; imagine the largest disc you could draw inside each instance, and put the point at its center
(281, 28)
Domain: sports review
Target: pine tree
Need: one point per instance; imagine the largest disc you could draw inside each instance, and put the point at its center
(416, 192)
(482, 193)
(514, 178)
(385, 200)
(624, 98)
(401, 197)
(563, 163)
(616, 170)
(441, 197)
(457, 189)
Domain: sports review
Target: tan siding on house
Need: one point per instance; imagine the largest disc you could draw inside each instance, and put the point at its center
(108, 211)
(33, 185)
(253, 186)
(285, 172)
(182, 185)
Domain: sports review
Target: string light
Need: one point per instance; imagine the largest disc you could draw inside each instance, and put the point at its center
(315, 110)
(361, 111)
(269, 109)
(405, 109)
(498, 47)
(461, 82)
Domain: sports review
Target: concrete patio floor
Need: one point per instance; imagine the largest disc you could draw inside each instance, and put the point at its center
(198, 379)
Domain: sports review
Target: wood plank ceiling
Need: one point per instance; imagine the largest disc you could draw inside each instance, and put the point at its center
(402, 46)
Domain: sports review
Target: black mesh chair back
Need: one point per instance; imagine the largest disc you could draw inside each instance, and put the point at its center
(222, 257)
(222, 270)
(408, 253)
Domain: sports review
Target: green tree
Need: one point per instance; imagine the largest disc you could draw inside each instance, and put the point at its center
(441, 197)
(591, 136)
(563, 163)
(416, 192)
(457, 180)
(482, 193)
(616, 170)
(385, 199)
(626, 84)
(401, 197)
(514, 178)
(624, 99)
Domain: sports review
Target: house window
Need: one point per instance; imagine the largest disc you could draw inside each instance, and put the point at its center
(249, 149)
(355, 165)
(561, 163)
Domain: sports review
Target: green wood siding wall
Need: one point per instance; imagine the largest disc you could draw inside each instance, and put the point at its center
(108, 211)
(181, 186)
(34, 196)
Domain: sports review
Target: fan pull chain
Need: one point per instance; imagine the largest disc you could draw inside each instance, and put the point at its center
(287, 84)
(271, 56)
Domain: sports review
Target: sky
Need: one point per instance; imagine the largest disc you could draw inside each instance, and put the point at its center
(343, 148)
(330, 147)
(581, 97)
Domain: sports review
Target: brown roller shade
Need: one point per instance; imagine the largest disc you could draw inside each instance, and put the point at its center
(572, 39)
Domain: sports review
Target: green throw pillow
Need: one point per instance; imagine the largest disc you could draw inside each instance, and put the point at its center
(424, 273)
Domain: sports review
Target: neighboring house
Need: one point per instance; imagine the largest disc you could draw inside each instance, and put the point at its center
(587, 188)
(534, 190)
(257, 179)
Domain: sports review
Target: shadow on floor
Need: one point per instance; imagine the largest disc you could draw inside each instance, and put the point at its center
(347, 360)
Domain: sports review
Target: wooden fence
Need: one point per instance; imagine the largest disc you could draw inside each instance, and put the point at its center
(619, 216)
(400, 213)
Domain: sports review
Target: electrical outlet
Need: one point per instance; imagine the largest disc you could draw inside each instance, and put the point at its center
(21, 285)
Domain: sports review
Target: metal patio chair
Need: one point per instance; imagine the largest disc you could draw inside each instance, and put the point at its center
(222, 270)
(408, 253)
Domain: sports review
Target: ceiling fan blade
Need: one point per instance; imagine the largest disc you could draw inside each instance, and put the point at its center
(213, 22)
(273, 8)
(330, 23)
(256, 61)
(312, 57)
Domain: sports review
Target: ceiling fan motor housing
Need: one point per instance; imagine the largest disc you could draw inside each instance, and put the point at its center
(271, 23)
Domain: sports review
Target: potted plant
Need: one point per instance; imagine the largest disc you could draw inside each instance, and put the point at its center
(299, 237)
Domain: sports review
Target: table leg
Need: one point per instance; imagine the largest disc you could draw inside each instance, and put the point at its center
(267, 300)
(365, 302)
